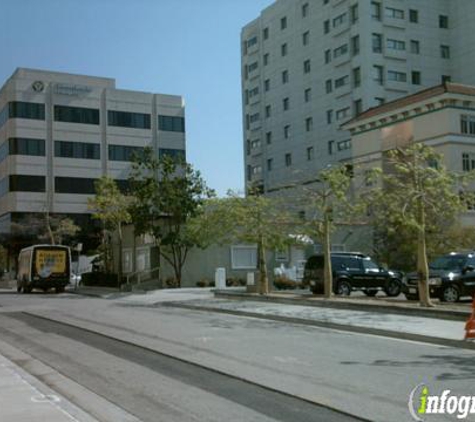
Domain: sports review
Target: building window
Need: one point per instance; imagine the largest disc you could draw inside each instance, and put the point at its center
(252, 67)
(253, 92)
(310, 154)
(24, 183)
(283, 23)
(344, 145)
(309, 124)
(124, 152)
(252, 41)
(467, 124)
(253, 118)
(81, 150)
(286, 131)
(267, 85)
(468, 161)
(305, 38)
(342, 113)
(177, 155)
(243, 257)
(285, 104)
(377, 43)
(443, 21)
(326, 27)
(445, 51)
(329, 116)
(354, 13)
(328, 86)
(356, 77)
(24, 110)
(331, 146)
(267, 111)
(416, 77)
(357, 107)
(413, 16)
(265, 33)
(268, 138)
(396, 76)
(288, 160)
(248, 147)
(305, 10)
(265, 59)
(171, 123)
(328, 56)
(340, 20)
(379, 101)
(395, 44)
(378, 74)
(391, 12)
(415, 47)
(269, 164)
(77, 185)
(342, 81)
(307, 95)
(283, 50)
(355, 45)
(128, 119)
(446, 78)
(83, 115)
(25, 146)
(340, 51)
(306, 66)
(285, 76)
(376, 10)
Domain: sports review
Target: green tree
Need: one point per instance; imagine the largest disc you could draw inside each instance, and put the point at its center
(328, 203)
(167, 194)
(111, 207)
(254, 219)
(418, 197)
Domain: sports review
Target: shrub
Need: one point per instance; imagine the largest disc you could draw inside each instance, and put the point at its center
(235, 281)
(204, 282)
(281, 282)
(171, 282)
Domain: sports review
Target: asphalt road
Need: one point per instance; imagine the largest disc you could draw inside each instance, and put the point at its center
(363, 375)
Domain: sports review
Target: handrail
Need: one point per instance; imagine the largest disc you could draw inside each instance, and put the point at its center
(130, 275)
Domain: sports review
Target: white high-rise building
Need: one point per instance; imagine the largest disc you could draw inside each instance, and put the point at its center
(310, 65)
(60, 132)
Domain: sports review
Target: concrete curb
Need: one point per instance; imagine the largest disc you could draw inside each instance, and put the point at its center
(461, 344)
(437, 313)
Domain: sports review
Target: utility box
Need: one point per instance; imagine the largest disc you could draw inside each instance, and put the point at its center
(251, 283)
(220, 278)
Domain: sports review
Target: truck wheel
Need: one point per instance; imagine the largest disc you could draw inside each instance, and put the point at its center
(27, 288)
(393, 288)
(343, 288)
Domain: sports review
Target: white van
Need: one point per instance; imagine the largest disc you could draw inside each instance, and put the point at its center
(44, 267)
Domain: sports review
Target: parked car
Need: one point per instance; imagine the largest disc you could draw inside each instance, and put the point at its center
(352, 271)
(450, 277)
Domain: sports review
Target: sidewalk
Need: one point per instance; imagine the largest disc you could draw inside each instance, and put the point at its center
(25, 399)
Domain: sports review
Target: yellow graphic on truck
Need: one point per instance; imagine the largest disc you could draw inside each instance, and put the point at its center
(50, 262)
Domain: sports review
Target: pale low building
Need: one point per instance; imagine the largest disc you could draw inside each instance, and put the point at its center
(442, 117)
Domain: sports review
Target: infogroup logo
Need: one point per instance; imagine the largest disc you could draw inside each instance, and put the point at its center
(422, 403)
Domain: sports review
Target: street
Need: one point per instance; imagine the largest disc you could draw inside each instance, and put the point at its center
(164, 363)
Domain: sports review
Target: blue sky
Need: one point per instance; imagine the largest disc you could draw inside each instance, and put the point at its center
(184, 47)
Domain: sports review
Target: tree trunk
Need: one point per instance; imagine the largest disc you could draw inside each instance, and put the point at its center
(263, 278)
(119, 271)
(422, 265)
(327, 263)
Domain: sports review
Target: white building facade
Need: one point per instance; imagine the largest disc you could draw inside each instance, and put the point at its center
(60, 132)
(308, 66)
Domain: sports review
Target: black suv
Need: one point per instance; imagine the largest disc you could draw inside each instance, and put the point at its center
(450, 277)
(352, 271)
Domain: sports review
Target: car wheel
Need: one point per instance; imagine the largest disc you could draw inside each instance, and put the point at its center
(343, 288)
(393, 288)
(450, 294)
(370, 293)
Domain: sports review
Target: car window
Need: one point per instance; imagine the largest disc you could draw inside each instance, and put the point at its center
(338, 263)
(370, 265)
(352, 263)
(448, 262)
(470, 261)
